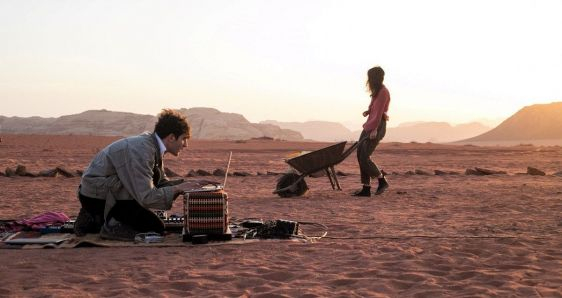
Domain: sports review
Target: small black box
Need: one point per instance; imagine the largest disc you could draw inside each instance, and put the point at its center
(199, 239)
(286, 227)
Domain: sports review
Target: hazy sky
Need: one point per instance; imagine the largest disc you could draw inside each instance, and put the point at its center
(454, 61)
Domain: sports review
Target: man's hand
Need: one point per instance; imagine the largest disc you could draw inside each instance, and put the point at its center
(192, 184)
(365, 113)
(373, 134)
(385, 117)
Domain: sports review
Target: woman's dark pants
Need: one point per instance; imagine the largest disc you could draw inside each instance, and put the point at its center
(367, 167)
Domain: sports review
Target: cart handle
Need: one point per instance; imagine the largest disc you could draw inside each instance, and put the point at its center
(347, 152)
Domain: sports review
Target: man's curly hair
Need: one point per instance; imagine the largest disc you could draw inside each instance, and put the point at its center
(172, 122)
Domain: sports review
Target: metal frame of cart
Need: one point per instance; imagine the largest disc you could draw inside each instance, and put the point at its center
(324, 159)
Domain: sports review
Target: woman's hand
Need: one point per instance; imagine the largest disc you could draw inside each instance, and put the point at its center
(373, 134)
(365, 113)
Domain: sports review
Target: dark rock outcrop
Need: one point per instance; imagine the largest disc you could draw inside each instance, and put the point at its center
(422, 172)
(64, 172)
(21, 170)
(49, 173)
(219, 172)
(10, 172)
(488, 171)
(535, 171)
(203, 173)
(170, 173)
(192, 173)
(241, 174)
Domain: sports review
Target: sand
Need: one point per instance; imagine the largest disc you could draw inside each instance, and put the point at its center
(427, 236)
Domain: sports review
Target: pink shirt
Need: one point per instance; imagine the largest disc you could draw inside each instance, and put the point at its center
(378, 107)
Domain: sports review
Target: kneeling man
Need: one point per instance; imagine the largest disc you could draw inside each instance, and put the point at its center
(126, 179)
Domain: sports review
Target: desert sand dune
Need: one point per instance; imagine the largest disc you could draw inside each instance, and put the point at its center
(427, 236)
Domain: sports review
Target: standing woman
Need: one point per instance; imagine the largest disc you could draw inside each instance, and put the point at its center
(374, 130)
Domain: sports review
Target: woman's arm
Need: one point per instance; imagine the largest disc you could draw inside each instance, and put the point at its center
(377, 110)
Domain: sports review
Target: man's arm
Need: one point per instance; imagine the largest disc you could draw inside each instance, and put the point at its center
(135, 173)
(167, 182)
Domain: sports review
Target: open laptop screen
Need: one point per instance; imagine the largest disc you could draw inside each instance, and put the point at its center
(213, 187)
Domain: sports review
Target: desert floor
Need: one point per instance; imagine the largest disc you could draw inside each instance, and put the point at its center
(427, 236)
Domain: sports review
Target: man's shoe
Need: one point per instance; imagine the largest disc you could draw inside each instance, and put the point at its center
(115, 230)
(364, 192)
(86, 223)
(383, 185)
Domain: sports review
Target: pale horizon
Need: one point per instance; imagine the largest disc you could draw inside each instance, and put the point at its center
(290, 61)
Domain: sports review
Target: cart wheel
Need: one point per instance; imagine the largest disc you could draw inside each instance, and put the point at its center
(289, 179)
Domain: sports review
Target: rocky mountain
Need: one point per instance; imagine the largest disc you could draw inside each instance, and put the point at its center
(20, 124)
(317, 130)
(99, 122)
(537, 124)
(436, 132)
(206, 123)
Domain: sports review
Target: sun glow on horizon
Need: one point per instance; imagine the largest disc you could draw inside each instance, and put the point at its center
(453, 61)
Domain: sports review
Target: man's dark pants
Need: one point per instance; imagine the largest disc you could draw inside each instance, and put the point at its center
(128, 212)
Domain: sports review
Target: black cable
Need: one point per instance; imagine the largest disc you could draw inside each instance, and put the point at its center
(325, 235)
(312, 238)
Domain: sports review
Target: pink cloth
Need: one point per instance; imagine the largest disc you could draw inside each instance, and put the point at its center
(378, 106)
(43, 220)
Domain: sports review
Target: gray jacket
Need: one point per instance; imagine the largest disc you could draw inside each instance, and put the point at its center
(129, 169)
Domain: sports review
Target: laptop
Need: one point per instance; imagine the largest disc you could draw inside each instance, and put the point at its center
(213, 187)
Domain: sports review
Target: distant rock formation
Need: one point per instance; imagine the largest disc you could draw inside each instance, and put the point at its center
(31, 125)
(103, 122)
(318, 130)
(94, 122)
(537, 124)
(206, 123)
(435, 132)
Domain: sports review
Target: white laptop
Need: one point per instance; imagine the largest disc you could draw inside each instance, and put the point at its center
(213, 187)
